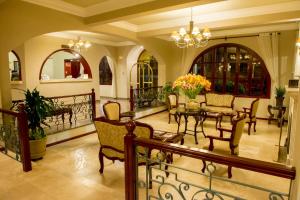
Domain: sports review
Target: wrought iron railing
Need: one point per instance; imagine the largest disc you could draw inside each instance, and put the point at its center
(70, 111)
(146, 97)
(14, 139)
(162, 180)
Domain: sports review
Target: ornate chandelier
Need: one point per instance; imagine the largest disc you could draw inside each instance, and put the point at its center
(193, 38)
(79, 45)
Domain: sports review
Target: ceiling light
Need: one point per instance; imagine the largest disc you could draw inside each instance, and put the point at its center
(79, 45)
(193, 38)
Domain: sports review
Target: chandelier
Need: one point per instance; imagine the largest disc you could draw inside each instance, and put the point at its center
(193, 38)
(78, 45)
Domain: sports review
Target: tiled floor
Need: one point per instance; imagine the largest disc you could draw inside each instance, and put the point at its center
(70, 170)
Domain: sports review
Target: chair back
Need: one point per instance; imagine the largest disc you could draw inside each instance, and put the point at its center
(172, 100)
(224, 100)
(111, 136)
(237, 131)
(254, 107)
(112, 110)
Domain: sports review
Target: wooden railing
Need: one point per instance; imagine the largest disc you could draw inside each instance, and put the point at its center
(144, 97)
(23, 135)
(131, 142)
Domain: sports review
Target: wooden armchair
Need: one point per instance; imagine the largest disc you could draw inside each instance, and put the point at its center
(112, 111)
(111, 137)
(251, 114)
(172, 102)
(233, 140)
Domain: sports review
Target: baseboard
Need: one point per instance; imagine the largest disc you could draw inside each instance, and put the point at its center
(71, 138)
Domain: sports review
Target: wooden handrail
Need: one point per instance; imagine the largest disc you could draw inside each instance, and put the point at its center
(234, 161)
(9, 112)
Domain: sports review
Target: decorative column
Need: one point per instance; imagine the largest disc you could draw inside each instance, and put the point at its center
(294, 137)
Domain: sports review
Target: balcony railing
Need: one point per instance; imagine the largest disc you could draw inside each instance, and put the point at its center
(70, 111)
(145, 97)
(163, 180)
(14, 139)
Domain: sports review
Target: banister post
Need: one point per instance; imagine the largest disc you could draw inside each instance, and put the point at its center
(130, 162)
(131, 100)
(93, 104)
(24, 138)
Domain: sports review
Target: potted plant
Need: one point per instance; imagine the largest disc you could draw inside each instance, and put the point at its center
(37, 108)
(280, 92)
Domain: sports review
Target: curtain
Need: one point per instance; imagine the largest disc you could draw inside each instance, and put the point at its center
(269, 47)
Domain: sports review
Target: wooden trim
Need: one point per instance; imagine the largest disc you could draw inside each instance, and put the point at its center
(213, 62)
(71, 138)
(274, 169)
(85, 64)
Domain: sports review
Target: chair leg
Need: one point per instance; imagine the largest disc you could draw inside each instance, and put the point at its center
(249, 128)
(204, 166)
(254, 127)
(150, 176)
(101, 162)
(176, 118)
(229, 172)
(169, 118)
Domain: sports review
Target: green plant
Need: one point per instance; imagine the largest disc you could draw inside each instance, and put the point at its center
(242, 89)
(280, 91)
(37, 108)
(167, 89)
(229, 86)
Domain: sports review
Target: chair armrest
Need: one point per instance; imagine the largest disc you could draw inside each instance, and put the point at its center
(246, 109)
(211, 141)
(130, 114)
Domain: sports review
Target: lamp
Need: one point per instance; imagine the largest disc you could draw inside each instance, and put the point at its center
(79, 44)
(192, 38)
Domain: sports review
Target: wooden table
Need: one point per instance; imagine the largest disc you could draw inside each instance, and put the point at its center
(199, 115)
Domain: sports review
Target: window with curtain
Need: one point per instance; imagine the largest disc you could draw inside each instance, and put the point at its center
(234, 69)
(105, 73)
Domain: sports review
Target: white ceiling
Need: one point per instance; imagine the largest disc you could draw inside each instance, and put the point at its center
(224, 18)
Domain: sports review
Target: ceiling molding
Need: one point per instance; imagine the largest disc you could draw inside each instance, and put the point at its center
(60, 6)
(125, 25)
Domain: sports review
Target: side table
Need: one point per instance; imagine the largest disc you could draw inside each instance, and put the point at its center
(280, 115)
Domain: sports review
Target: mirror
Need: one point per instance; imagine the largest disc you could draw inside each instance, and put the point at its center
(65, 64)
(14, 66)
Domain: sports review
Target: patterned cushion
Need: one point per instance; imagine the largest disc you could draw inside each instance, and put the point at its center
(224, 110)
(172, 99)
(213, 99)
(173, 111)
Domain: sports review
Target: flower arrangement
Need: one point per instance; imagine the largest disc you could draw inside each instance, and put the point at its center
(192, 84)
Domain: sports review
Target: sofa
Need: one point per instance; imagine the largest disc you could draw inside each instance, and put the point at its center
(219, 103)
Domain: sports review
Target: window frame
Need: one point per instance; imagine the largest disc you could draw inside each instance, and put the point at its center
(213, 62)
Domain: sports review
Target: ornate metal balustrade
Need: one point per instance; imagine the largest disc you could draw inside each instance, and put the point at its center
(14, 141)
(162, 180)
(70, 111)
(145, 97)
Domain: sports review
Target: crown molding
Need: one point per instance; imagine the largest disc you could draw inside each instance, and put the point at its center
(125, 25)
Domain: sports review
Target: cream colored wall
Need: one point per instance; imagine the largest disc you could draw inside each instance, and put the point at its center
(36, 51)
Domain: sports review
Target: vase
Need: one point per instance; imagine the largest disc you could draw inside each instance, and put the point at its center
(279, 101)
(192, 104)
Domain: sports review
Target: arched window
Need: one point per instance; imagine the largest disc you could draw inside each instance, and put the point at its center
(143, 75)
(234, 69)
(105, 74)
(14, 66)
(65, 64)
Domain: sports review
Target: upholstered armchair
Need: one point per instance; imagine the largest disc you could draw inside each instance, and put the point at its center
(251, 115)
(228, 144)
(112, 111)
(111, 137)
(172, 102)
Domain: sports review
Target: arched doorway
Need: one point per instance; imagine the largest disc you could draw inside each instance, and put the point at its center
(147, 77)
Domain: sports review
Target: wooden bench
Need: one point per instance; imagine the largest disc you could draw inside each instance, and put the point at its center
(62, 111)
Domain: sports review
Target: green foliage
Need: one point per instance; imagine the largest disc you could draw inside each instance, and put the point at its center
(229, 86)
(192, 94)
(280, 91)
(37, 108)
(166, 90)
(218, 86)
(242, 89)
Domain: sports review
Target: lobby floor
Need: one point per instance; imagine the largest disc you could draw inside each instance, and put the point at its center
(70, 170)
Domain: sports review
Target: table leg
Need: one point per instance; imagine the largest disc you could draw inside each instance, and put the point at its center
(178, 124)
(195, 129)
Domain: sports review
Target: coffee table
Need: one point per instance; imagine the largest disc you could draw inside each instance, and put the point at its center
(199, 115)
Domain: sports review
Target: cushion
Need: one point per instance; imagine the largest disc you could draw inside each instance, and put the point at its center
(213, 99)
(112, 111)
(172, 99)
(224, 110)
(173, 111)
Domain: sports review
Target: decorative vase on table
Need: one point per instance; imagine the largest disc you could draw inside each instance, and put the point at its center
(192, 85)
